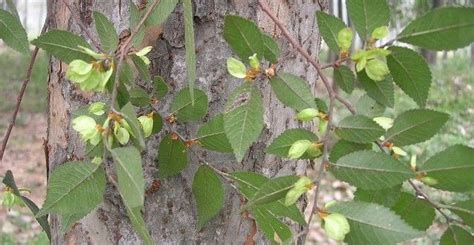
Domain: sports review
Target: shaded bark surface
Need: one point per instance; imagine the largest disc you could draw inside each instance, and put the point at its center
(170, 212)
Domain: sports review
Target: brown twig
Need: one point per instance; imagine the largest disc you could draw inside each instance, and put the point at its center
(84, 29)
(334, 64)
(19, 98)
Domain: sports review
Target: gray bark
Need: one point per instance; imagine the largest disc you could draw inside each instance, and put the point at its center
(170, 212)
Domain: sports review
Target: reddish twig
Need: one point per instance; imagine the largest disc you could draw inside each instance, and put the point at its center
(19, 98)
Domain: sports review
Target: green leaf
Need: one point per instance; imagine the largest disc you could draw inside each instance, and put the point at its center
(271, 227)
(68, 220)
(157, 123)
(243, 118)
(160, 88)
(385, 197)
(373, 224)
(172, 156)
(9, 181)
(368, 107)
(282, 144)
(212, 135)
(209, 194)
(453, 168)
(161, 12)
(182, 105)
(272, 190)
(381, 91)
(63, 45)
(106, 31)
(359, 129)
(344, 147)
(123, 98)
(128, 113)
(135, 17)
(189, 44)
(249, 183)
(465, 210)
(138, 224)
(368, 15)
(292, 91)
(456, 235)
(271, 50)
(243, 36)
(370, 170)
(344, 78)
(13, 33)
(131, 183)
(410, 72)
(441, 29)
(321, 105)
(74, 187)
(139, 97)
(141, 67)
(329, 26)
(416, 212)
(12, 8)
(415, 126)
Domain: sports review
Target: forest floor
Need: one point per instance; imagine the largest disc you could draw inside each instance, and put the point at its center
(452, 90)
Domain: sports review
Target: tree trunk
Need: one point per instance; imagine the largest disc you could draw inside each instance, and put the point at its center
(170, 212)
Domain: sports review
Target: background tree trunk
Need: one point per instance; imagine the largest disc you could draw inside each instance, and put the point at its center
(170, 212)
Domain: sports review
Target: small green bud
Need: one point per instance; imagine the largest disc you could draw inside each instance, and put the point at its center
(142, 54)
(8, 199)
(344, 39)
(122, 135)
(377, 52)
(376, 69)
(97, 108)
(254, 62)
(87, 128)
(380, 32)
(236, 68)
(307, 114)
(429, 180)
(301, 186)
(336, 226)
(384, 122)
(399, 151)
(298, 148)
(147, 124)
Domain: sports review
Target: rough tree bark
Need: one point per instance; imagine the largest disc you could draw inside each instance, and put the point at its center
(170, 212)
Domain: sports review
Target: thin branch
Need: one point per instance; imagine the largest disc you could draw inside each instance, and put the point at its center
(124, 51)
(334, 64)
(82, 26)
(19, 98)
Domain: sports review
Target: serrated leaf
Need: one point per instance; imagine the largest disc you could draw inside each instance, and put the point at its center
(416, 212)
(106, 31)
(182, 105)
(452, 168)
(189, 44)
(270, 225)
(385, 197)
(63, 45)
(131, 182)
(292, 91)
(212, 135)
(370, 170)
(359, 129)
(456, 235)
(271, 50)
(368, 107)
(441, 29)
(283, 142)
(9, 181)
(373, 224)
(128, 113)
(68, 220)
(208, 193)
(321, 105)
(172, 156)
(465, 210)
(243, 36)
(380, 91)
(141, 67)
(135, 17)
(139, 225)
(12, 8)
(139, 97)
(13, 33)
(271, 191)
(243, 118)
(329, 27)
(74, 187)
(410, 72)
(368, 15)
(344, 78)
(160, 87)
(161, 12)
(344, 147)
(249, 183)
(415, 126)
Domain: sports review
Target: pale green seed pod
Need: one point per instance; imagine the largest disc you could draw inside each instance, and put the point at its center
(380, 32)
(97, 108)
(307, 114)
(301, 186)
(236, 68)
(344, 39)
(147, 124)
(298, 148)
(336, 226)
(254, 62)
(376, 69)
(429, 180)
